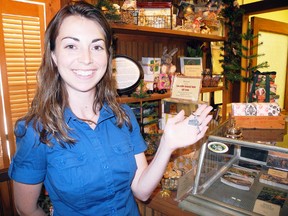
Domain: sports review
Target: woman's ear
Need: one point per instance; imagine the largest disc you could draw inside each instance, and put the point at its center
(54, 58)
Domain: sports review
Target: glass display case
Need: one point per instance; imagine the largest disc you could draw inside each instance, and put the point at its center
(210, 193)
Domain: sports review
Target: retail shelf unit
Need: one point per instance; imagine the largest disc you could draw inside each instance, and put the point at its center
(141, 41)
(209, 196)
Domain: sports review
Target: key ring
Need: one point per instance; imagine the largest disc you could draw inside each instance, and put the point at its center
(194, 122)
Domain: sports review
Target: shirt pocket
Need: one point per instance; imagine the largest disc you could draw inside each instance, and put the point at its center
(67, 177)
(125, 151)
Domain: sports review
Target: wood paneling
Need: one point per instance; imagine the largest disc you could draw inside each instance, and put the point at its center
(138, 46)
(6, 199)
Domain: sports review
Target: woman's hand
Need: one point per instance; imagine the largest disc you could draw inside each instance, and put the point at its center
(181, 131)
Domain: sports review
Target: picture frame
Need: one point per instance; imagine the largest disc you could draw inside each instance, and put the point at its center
(187, 88)
(127, 73)
(191, 66)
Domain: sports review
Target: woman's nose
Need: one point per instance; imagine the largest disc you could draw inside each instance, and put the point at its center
(85, 57)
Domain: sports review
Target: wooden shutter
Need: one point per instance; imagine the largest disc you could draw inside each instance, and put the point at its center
(21, 40)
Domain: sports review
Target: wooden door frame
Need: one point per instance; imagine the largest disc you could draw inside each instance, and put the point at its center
(265, 25)
(253, 9)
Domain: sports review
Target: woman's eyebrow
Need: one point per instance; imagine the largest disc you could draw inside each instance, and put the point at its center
(76, 39)
(96, 40)
(73, 38)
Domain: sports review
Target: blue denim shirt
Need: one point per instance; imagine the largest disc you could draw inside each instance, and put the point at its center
(94, 176)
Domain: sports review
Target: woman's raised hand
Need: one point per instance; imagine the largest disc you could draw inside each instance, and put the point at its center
(181, 131)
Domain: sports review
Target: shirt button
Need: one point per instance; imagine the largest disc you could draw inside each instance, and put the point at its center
(106, 166)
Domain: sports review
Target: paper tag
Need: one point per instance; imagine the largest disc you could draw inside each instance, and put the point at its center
(266, 208)
(278, 173)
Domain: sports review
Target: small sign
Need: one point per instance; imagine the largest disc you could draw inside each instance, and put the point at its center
(191, 66)
(186, 88)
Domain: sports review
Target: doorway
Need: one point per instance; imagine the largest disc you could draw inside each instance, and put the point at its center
(274, 36)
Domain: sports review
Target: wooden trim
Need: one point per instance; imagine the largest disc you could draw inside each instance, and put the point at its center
(244, 85)
(159, 32)
(264, 6)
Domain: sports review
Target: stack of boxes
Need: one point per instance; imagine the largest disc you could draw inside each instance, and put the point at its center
(151, 69)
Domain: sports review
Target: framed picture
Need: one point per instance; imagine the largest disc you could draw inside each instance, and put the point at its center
(187, 88)
(191, 66)
(128, 74)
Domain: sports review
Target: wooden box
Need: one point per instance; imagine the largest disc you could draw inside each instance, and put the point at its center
(263, 122)
(264, 135)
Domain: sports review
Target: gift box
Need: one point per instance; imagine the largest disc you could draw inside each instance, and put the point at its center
(258, 115)
(155, 14)
(151, 65)
(255, 109)
(263, 88)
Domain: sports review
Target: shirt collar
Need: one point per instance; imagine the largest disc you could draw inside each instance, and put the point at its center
(105, 113)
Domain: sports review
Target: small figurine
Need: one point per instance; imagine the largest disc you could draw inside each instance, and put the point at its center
(233, 131)
(167, 70)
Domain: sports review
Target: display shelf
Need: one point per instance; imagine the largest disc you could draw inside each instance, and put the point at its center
(208, 194)
(212, 89)
(144, 30)
(140, 41)
(152, 97)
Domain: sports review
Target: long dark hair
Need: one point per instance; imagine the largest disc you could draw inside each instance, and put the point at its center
(51, 97)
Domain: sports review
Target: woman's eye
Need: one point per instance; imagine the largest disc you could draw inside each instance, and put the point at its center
(70, 46)
(97, 47)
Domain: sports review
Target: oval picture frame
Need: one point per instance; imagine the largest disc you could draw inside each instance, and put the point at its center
(128, 74)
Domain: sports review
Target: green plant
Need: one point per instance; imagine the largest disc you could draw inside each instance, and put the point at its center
(233, 49)
(108, 9)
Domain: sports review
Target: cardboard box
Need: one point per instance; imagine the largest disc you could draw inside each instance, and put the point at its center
(264, 122)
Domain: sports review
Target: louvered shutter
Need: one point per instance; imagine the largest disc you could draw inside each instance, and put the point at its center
(23, 57)
(21, 40)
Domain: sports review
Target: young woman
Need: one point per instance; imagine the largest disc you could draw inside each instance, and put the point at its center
(76, 139)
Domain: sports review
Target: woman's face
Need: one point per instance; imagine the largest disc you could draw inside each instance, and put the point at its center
(80, 54)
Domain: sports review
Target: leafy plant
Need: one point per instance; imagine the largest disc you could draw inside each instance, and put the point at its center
(233, 49)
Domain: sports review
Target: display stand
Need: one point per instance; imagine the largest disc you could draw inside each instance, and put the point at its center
(210, 195)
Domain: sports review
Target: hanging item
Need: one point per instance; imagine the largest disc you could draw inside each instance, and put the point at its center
(263, 88)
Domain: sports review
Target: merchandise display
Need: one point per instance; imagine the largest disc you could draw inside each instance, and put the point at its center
(228, 183)
(269, 201)
(258, 115)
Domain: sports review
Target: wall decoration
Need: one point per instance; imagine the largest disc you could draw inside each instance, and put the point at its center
(128, 74)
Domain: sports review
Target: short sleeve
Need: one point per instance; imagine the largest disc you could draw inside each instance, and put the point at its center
(136, 136)
(28, 164)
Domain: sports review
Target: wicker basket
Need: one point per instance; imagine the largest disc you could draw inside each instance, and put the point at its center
(129, 16)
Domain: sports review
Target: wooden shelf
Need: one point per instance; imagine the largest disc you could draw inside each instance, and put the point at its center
(155, 96)
(144, 30)
(139, 41)
(211, 89)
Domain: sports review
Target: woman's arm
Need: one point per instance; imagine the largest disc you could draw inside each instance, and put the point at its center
(26, 198)
(178, 133)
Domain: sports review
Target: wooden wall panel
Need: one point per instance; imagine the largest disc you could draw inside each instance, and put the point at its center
(138, 46)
